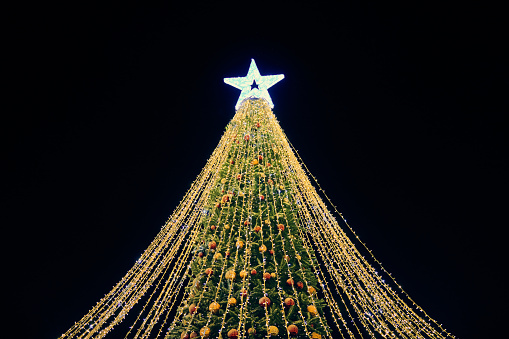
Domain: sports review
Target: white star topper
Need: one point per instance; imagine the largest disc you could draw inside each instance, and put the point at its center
(254, 85)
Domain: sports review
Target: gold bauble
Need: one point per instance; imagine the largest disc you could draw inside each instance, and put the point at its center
(243, 274)
(312, 309)
(232, 301)
(298, 257)
(311, 290)
(218, 256)
(273, 330)
(223, 181)
(240, 243)
(230, 275)
(205, 332)
(315, 335)
(273, 275)
(262, 249)
(227, 227)
(214, 307)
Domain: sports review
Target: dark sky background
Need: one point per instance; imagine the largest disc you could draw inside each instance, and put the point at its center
(398, 110)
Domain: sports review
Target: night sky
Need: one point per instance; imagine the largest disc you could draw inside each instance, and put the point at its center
(398, 110)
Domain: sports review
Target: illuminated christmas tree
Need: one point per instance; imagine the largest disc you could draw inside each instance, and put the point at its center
(252, 251)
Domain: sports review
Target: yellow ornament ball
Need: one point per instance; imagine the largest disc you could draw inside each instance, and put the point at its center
(298, 257)
(272, 330)
(218, 256)
(281, 187)
(267, 221)
(254, 162)
(311, 290)
(273, 275)
(240, 244)
(214, 307)
(223, 181)
(243, 273)
(312, 309)
(262, 248)
(230, 275)
(205, 332)
(227, 227)
(232, 301)
(315, 335)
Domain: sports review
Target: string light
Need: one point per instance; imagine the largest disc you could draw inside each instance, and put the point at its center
(253, 197)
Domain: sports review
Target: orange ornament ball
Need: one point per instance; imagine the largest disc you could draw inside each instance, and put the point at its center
(293, 329)
(233, 333)
(208, 271)
(193, 335)
(253, 272)
(243, 274)
(184, 335)
(266, 275)
(243, 292)
(289, 302)
(246, 137)
(290, 282)
(251, 331)
(281, 227)
(192, 308)
(212, 244)
(264, 302)
(311, 290)
(257, 229)
(300, 284)
(212, 227)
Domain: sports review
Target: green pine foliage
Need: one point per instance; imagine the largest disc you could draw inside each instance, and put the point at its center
(235, 210)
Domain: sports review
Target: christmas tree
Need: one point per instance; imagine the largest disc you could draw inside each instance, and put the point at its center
(252, 251)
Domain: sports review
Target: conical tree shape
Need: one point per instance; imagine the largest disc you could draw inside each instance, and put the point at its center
(252, 252)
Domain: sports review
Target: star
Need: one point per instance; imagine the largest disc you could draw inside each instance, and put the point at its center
(254, 85)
